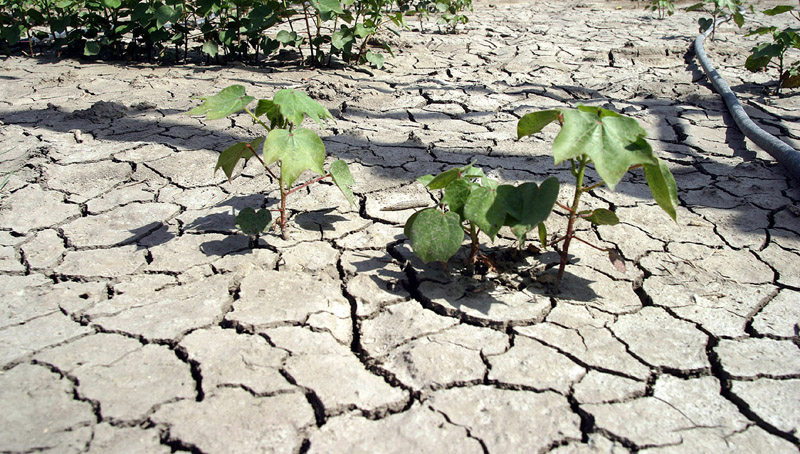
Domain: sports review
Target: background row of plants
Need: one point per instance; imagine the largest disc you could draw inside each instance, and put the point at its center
(244, 30)
(782, 53)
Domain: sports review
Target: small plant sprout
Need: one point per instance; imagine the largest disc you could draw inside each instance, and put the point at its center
(473, 203)
(294, 148)
(719, 9)
(664, 7)
(614, 144)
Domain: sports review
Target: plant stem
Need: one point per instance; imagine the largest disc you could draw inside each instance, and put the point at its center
(473, 248)
(283, 211)
(573, 215)
(295, 189)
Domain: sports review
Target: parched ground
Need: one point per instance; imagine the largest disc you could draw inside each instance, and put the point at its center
(136, 319)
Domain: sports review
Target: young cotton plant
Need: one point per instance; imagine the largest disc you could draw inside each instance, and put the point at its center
(613, 144)
(773, 53)
(294, 148)
(473, 203)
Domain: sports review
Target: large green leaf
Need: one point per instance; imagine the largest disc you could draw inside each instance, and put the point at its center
(343, 179)
(297, 151)
(253, 222)
(486, 210)
(535, 121)
(663, 187)
(229, 101)
(434, 235)
(228, 159)
(295, 104)
(612, 141)
(529, 205)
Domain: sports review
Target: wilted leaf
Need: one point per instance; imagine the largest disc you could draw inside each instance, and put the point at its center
(434, 235)
(253, 222)
(343, 179)
(617, 260)
(662, 186)
(229, 101)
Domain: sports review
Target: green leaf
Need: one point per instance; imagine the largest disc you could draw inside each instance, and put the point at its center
(663, 187)
(297, 151)
(445, 178)
(273, 112)
(601, 216)
(253, 222)
(113, 4)
(210, 48)
(343, 179)
(780, 9)
(328, 6)
(529, 205)
(295, 104)
(425, 179)
(285, 37)
(166, 13)
(342, 38)
(228, 159)
(543, 235)
(455, 196)
(229, 101)
(612, 141)
(738, 19)
(91, 48)
(696, 7)
(486, 210)
(375, 59)
(434, 235)
(535, 121)
(761, 31)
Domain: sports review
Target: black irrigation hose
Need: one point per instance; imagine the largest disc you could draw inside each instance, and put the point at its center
(781, 151)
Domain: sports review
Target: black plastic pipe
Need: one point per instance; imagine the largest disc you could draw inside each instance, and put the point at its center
(781, 151)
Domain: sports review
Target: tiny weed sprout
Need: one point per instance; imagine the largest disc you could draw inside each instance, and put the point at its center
(762, 55)
(614, 144)
(294, 148)
(473, 203)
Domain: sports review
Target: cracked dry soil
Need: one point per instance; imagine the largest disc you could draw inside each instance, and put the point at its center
(136, 319)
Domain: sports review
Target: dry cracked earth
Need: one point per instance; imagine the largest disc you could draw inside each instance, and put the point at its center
(136, 319)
